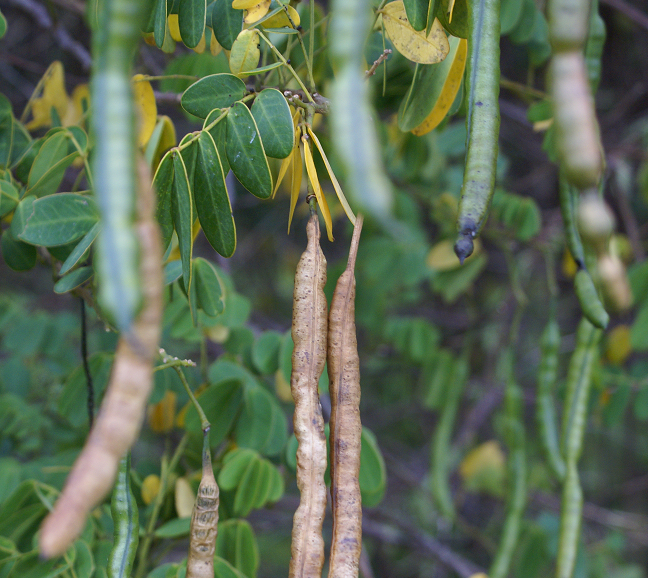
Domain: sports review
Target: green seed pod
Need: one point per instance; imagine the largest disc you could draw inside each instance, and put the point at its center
(577, 132)
(589, 300)
(125, 517)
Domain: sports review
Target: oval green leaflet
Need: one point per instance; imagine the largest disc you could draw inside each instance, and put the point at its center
(182, 214)
(482, 122)
(211, 198)
(274, 121)
(419, 12)
(245, 152)
(191, 21)
(213, 91)
(125, 514)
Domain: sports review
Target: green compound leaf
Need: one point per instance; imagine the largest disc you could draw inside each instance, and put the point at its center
(245, 152)
(212, 201)
(237, 544)
(214, 91)
(272, 115)
(226, 22)
(59, 219)
(191, 21)
(221, 401)
(262, 425)
(182, 213)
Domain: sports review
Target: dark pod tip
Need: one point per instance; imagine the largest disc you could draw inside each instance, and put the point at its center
(463, 247)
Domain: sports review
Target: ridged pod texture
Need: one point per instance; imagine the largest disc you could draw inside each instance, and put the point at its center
(309, 333)
(122, 410)
(204, 523)
(346, 429)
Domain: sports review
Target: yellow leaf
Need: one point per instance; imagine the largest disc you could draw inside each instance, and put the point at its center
(245, 52)
(414, 45)
(244, 4)
(78, 105)
(297, 171)
(336, 184)
(569, 266)
(285, 164)
(448, 92)
(146, 108)
(174, 28)
(256, 12)
(54, 95)
(312, 177)
(149, 38)
(443, 258)
(542, 125)
(161, 415)
(214, 47)
(479, 575)
(184, 498)
(150, 488)
(200, 47)
(618, 346)
(484, 468)
(282, 387)
(281, 20)
(167, 140)
(218, 333)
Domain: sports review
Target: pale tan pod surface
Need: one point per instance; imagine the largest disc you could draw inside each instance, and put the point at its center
(204, 523)
(346, 429)
(122, 411)
(309, 327)
(577, 131)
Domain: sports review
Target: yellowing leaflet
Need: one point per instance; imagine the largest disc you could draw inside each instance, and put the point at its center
(317, 189)
(336, 184)
(414, 45)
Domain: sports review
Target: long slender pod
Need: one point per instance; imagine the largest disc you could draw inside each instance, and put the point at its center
(517, 469)
(204, 520)
(482, 121)
(113, 162)
(455, 384)
(122, 410)
(125, 517)
(309, 332)
(545, 408)
(353, 130)
(579, 379)
(570, 523)
(568, 196)
(346, 429)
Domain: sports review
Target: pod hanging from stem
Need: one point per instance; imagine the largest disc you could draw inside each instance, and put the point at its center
(309, 328)
(345, 426)
(204, 519)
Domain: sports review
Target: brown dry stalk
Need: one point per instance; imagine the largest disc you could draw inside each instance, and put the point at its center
(204, 521)
(122, 411)
(308, 359)
(346, 429)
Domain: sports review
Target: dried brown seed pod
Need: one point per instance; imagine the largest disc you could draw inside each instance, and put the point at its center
(346, 429)
(309, 327)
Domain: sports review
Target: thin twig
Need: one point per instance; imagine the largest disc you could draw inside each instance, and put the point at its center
(378, 62)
